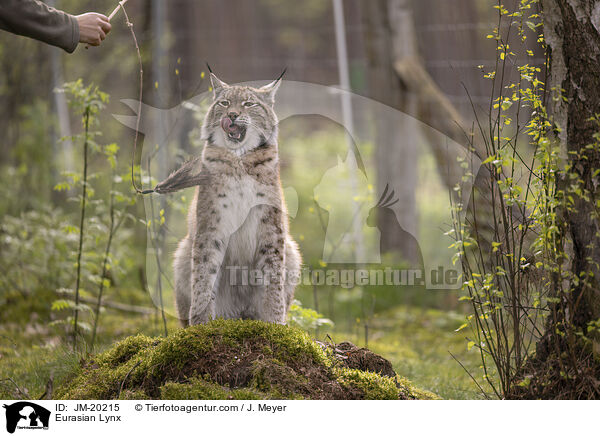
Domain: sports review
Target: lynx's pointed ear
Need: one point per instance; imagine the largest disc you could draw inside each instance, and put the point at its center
(268, 91)
(217, 85)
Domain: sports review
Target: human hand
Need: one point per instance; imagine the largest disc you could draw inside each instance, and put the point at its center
(93, 28)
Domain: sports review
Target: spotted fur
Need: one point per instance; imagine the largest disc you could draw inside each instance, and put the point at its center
(238, 218)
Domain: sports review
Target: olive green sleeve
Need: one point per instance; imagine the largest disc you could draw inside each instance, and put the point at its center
(34, 19)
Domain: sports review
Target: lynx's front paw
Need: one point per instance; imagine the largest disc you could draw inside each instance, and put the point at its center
(274, 311)
(281, 321)
(202, 317)
(275, 320)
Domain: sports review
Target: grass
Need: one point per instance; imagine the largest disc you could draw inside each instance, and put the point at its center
(416, 340)
(30, 356)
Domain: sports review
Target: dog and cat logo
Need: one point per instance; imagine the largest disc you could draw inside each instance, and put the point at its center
(26, 416)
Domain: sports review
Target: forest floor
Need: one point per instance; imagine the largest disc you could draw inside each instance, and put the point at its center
(417, 341)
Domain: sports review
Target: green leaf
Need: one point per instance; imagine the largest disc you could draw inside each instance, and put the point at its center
(59, 305)
(111, 149)
(465, 325)
(63, 186)
(525, 382)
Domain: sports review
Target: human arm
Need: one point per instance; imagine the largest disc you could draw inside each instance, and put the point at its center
(35, 19)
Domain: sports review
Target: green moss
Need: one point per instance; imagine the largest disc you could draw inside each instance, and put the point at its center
(279, 380)
(408, 391)
(125, 349)
(226, 359)
(374, 386)
(378, 387)
(197, 388)
(134, 394)
(287, 343)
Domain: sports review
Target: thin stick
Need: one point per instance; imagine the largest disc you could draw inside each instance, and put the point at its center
(155, 243)
(113, 13)
(23, 394)
(143, 310)
(81, 224)
(470, 375)
(139, 112)
(127, 376)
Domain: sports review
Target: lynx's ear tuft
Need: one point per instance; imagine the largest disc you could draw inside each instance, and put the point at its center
(268, 91)
(217, 85)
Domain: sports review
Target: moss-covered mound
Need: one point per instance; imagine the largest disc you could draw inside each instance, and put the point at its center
(230, 359)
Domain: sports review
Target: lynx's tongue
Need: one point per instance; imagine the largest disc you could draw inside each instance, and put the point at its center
(233, 131)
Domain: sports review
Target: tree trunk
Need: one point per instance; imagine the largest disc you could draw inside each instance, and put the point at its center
(390, 37)
(571, 29)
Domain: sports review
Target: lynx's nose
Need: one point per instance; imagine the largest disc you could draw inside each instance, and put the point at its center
(233, 115)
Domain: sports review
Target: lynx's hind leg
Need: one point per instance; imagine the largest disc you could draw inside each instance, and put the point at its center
(182, 266)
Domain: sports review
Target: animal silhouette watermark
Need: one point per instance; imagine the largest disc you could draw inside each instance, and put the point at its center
(346, 195)
(25, 415)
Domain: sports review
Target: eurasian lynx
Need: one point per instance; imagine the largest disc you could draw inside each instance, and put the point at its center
(237, 221)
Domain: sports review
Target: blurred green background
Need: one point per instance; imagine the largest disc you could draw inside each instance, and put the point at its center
(41, 157)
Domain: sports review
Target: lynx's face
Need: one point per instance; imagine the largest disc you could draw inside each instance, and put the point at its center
(240, 118)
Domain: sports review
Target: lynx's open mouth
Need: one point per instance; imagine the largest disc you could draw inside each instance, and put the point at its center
(235, 132)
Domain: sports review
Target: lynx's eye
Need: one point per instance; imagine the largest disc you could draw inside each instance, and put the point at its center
(249, 104)
(224, 103)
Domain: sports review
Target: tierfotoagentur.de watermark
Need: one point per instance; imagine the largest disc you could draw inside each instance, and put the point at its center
(345, 278)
